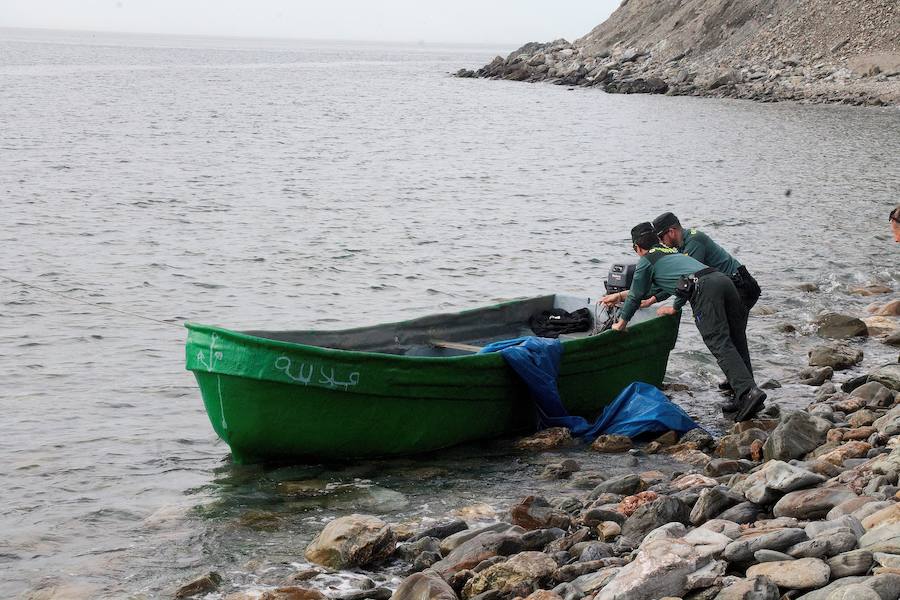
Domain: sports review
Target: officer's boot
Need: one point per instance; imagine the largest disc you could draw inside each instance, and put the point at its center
(751, 403)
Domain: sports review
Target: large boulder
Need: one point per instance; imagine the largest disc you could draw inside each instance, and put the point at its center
(775, 479)
(742, 549)
(481, 547)
(352, 541)
(800, 574)
(752, 588)
(838, 356)
(797, 434)
(427, 585)
(888, 375)
(887, 586)
(811, 504)
(648, 517)
(882, 539)
(527, 569)
(837, 326)
(536, 513)
(660, 569)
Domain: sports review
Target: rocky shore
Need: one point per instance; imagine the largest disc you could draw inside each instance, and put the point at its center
(793, 504)
(815, 51)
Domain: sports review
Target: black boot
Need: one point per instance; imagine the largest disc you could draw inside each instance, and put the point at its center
(751, 403)
(729, 406)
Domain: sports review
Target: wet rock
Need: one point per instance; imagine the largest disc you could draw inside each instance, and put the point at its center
(837, 326)
(589, 583)
(887, 587)
(846, 564)
(529, 568)
(811, 504)
(817, 528)
(874, 394)
(452, 541)
(752, 588)
(609, 530)
(538, 538)
(771, 556)
(425, 560)
(889, 424)
(725, 466)
(561, 470)
(351, 541)
(852, 449)
(774, 479)
(660, 569)
(882, 539)
(815, 376)
(849, 507)
(535, 512)
(800, 574)
(546, 439)
(808, 549)
(838, 356)
(854, 591)
(745, 512)
(888, 375)
(862, 418)
(595, 551)
(713, 501)
(797, 434)
(483, 546)
(202, 585)
(727, 528)
(742, 549)
(595, 516)
(650, 516)
(442, 530)
(624, 485)
(410, 550)
(885, 516)
(873, 289)
(612, 444)
(630, 504)
(699, 437)
(378, 593)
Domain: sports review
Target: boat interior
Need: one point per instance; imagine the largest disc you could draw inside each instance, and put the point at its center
(451, 334)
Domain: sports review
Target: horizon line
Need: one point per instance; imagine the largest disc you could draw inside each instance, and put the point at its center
(419, 42)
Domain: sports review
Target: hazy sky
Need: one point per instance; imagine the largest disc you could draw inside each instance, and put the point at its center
(466, 21)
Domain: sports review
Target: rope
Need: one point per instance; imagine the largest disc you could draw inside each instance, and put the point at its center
(72, 298)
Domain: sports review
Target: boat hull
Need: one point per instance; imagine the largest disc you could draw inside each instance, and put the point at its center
(273, 400)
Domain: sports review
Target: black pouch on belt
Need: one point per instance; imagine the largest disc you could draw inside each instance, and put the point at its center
(685, 286)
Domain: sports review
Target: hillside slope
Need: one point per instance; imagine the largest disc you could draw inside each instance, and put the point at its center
(810, 50)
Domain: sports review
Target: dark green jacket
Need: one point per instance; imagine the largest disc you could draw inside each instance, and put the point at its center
(660, 269)
(701, 247)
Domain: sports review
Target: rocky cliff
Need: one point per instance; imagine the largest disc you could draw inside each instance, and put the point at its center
(844, 51)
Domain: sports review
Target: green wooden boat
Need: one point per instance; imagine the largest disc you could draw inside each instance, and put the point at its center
(404, 388)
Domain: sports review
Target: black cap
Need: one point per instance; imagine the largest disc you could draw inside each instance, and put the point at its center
(643, 235)
(665, 221)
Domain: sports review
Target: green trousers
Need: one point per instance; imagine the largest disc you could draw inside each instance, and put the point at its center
(721, 318)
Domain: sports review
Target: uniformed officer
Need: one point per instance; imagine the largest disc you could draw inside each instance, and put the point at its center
(700, 246)
(718, 311)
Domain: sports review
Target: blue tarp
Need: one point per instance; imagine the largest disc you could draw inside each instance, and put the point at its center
(639, 408)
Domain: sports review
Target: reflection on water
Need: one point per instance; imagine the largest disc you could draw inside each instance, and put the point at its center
(293, 185)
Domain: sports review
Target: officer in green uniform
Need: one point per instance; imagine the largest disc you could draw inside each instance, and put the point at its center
(718, 310)
(700, 246)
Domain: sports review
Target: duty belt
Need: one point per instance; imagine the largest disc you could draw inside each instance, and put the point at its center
(702, 273)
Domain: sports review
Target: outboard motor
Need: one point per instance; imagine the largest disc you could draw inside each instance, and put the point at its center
(618, 280)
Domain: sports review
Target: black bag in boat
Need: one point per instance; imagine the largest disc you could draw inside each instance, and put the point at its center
(552, 323)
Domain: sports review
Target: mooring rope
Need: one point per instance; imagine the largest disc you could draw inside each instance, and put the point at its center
(73, 299)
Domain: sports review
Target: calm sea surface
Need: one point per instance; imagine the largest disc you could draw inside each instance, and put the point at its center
(276, 184)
